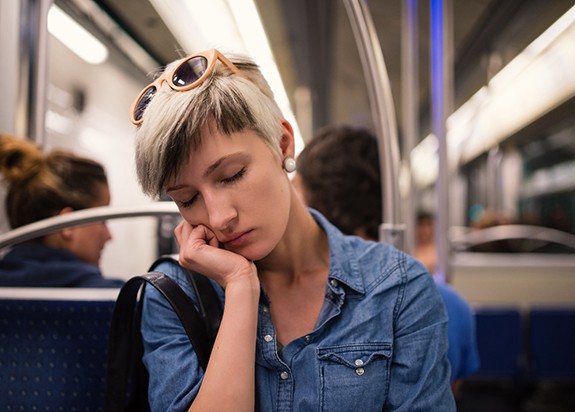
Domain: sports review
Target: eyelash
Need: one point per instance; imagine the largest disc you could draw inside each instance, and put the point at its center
(235, 177)
(227, 180)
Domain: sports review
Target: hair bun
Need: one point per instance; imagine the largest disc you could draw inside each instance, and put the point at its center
(19, 158)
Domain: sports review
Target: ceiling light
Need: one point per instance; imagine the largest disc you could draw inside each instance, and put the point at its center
(75, 37)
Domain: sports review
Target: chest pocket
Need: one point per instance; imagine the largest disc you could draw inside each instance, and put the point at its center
(354, 377)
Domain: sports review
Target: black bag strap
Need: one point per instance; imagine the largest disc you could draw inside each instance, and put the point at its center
(123, 358)
(209, 303)
(187, 313)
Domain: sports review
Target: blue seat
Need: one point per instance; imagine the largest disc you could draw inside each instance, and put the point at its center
(53, 354)
(499, 342)
(552, 343)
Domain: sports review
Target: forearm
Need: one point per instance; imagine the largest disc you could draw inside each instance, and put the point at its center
(229, 381)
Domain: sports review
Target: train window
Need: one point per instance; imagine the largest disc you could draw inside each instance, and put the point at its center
(539, 190)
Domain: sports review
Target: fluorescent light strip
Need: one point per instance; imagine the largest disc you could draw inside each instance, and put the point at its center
(75, 37)
(538, 79)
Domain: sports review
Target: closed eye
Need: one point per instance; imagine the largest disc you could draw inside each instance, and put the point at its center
(236, 177)
(188, 203)
(227, 180)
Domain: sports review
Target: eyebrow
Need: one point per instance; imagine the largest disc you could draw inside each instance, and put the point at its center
(218, 163)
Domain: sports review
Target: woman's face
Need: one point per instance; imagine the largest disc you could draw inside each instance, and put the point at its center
(88, 241)
(236, 187)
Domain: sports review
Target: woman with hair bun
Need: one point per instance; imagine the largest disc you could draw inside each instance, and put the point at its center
(42, 185)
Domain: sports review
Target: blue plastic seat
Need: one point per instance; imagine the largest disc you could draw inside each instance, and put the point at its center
(552, 343)
(53, 354)
(499, 341)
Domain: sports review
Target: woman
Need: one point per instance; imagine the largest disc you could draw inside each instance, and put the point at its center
(313, 319)
(46, 185)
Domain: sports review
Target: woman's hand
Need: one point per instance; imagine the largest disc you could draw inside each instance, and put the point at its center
(200, 251)
(234, 348)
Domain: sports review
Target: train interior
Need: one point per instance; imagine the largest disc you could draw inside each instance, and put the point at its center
(503, 150)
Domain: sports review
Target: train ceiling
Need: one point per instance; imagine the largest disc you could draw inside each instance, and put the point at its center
(314, 46)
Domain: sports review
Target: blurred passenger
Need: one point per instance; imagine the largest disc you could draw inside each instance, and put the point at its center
(41, 186)
(338, 174)
(425, 250)
(463, 353)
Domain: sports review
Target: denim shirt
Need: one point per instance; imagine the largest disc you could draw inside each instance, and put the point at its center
(380, 342)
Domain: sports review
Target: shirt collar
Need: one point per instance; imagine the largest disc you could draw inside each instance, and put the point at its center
(343, 264)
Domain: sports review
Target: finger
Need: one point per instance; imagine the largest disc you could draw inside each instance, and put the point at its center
(209, 236)
(182, 232)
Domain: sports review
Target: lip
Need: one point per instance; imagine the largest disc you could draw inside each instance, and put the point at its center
(236, 239)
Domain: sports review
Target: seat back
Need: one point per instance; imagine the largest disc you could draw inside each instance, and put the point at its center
(53, 354)
(552, 343)
(499, 341)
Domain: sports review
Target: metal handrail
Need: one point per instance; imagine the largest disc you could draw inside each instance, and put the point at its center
(85, 216)
(383, 113)
(469, 237)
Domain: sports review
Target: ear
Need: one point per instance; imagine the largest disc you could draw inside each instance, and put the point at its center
(287, 142)
(67, 232)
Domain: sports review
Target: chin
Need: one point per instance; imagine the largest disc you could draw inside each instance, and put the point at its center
(253, 253)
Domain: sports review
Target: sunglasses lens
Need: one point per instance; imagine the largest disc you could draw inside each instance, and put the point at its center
(144, 102)
(190, 71)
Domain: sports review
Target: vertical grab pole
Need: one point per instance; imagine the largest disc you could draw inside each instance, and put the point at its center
(409, 107)
(441, 79)
(33, 68)
(383, 113)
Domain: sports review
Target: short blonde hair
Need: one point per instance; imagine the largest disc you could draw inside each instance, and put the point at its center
(173, 120)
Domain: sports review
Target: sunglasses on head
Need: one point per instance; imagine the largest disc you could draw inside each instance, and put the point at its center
(189, 73)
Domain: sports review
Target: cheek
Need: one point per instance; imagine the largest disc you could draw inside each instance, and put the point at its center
(269, 191)
(92, 237)
(271, 201)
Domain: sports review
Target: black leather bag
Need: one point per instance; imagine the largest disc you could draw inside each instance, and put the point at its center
(126, 376)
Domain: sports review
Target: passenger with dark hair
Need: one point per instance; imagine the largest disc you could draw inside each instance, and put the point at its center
(340, 169)
(41, 186)
(425, 250)
(338, 174)
(313, 319)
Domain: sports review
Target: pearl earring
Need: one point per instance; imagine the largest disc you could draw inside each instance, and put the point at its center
(289, 164)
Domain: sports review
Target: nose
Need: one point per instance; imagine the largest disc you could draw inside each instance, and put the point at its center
(107, 233)
(220, 211)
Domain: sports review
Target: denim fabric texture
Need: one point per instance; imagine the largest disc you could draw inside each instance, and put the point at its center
(380, 342)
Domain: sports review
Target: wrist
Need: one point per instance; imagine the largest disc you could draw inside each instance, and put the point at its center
(244, 282)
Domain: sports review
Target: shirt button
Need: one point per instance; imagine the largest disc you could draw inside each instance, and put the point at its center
(358, 362)
(284, 375)
(265, 309)
(307, 338)
(268, 338)
(359, 371)
(333, 282)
